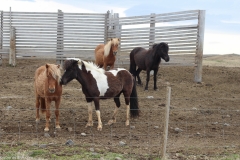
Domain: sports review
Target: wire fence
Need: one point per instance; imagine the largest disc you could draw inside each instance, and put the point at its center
(197, 130)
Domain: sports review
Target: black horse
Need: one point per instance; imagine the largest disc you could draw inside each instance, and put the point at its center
(148, 60)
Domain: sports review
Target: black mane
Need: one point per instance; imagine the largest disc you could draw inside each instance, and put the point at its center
(69, 63)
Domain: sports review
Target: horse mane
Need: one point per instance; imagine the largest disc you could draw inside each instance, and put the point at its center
(92, 66)
(55, 72)
(155, 49)
(107, 47)
(89, 65)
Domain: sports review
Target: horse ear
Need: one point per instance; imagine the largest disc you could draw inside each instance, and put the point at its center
(111, 39)
(47, 65)
(118, 39)
(58, 66)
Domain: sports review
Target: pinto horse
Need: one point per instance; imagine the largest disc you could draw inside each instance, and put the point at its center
(48, 89)
(100, 84)
(148, 60)
(105, 55)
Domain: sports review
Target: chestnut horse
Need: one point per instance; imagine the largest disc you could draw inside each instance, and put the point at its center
(105, 55)
(48, 89)
(100, 84)
(148, 60)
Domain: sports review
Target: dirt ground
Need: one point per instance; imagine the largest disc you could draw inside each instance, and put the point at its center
(203, 122)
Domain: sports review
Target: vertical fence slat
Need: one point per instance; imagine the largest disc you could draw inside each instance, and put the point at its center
(152, 30)
(106, 27)
(12, 50)
(59, 36)
(199, 53)
(165, 129)
(1, 36)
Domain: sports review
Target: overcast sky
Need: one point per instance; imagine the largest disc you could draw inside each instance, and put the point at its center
(222, 23)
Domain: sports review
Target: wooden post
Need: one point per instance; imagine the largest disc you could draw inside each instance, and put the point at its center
(107, 20)
(59, 37)
(199, 52)
(117, 34)
(1, 35)
(111, 26)
(165, 131)
(152, 30)
(1, 29)
(12, 50)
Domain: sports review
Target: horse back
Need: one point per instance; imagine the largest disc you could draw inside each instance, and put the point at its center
(118, 82)
(138, 56)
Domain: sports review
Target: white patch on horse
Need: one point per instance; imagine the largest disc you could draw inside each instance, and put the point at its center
(98, 75)
(115, 72)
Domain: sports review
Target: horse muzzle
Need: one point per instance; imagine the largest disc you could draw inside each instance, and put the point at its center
(115, 53)
(166, 59)
(51, 90)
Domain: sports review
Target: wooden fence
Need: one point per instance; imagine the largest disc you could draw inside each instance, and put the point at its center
(59, 35)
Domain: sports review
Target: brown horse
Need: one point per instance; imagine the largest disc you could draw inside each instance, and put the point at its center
(100, 84)
(105, 55)
(48, 89)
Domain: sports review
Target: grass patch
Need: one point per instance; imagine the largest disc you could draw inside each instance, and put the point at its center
(37, 153)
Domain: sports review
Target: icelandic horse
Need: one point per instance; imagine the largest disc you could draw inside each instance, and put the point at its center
(105, 55)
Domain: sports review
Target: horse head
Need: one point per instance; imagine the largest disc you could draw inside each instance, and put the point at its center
(53, 76)
(71, 71)
(114, 45)
(164, 51)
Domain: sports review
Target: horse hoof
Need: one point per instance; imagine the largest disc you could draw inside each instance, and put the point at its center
(146, 90)
(37, 120)
(46, 129)
(89, 124)
(99, 128)
(58, 127)
(110, 122)
(127, 123)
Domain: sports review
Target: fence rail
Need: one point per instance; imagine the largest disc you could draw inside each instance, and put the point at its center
(59, 35)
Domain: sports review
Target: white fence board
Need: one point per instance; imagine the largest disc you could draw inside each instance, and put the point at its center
(74, 34)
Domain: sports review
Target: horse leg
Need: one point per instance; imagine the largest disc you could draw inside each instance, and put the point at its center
(37, 109)
(155, 79)
(127, 100)
(104, 66)
(57, 104)
(48, 114)
(127, 118)
(147, 79)
(90, 121)
(117, 102)
(138, 77)
(96, 103)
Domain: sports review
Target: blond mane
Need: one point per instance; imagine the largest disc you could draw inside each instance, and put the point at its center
(55, 72)
(107, 47)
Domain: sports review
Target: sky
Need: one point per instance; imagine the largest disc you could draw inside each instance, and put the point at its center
(222, 19)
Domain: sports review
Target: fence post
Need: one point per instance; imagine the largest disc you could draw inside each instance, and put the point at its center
(59, 37)
(1, 36)
(165, 129)
(117, 34)
(107, 24)
(12, 50)
(152, 30)
(199, 52)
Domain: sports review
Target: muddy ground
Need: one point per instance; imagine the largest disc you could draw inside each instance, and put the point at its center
(203, 122)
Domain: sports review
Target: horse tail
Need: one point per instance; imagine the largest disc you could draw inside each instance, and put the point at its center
(134, 110)
(43, 105)
(132, 68)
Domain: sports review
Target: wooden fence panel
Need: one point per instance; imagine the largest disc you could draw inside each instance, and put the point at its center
(47, 34)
